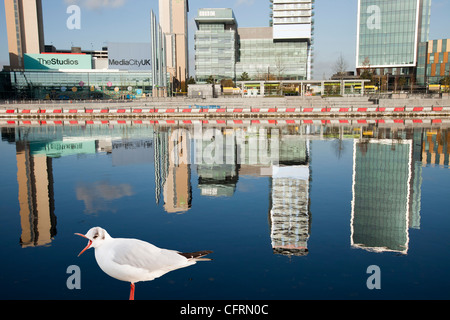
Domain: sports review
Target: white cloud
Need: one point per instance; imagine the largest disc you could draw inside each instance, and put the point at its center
(97, 4)
(98, 196)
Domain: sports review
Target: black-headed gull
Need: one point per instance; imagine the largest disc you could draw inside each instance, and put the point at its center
(133, 260)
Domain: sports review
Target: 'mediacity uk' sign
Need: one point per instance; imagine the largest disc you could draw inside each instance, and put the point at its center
(129, 56)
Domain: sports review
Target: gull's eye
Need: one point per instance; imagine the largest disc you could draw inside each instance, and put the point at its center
(96, 236)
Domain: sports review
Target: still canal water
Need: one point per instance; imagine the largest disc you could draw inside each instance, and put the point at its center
(291, 212)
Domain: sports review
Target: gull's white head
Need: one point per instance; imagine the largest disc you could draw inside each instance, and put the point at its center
(96, 236)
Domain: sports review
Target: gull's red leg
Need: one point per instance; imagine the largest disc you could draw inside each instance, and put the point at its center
(132, 292)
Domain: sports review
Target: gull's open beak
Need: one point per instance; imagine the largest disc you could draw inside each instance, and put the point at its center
(88, 246)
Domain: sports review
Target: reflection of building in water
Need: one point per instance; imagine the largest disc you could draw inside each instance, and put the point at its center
(216, 160)
(290, 219)
(37, 208)
(416, 180)
(132, 152)
(35, 149)
(435, 148)
(386, 192)
(224, 154)
(289, 216)
(161, 143)
(35, 179)
(177, 182)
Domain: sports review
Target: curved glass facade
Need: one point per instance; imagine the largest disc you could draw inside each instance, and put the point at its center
(265, 59)
(80, 85)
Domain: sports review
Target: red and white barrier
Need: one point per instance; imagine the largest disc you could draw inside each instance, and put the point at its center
(139, 111)
(28, 111)
(120, 111)
(288, 110)
(8, 111)
(73, 111)
(97, 111)
(240, 110)
(7, 122)
(120, 122)
(190, 110)
(418, 109)
(391, 109)
(166, 110)
(264, 110)
(275, 122)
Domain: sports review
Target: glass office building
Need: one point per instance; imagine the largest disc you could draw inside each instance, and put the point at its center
(262, 58)
(224, 51)
(293, 20)
(389, 33)
(215, 44)
(422, 64)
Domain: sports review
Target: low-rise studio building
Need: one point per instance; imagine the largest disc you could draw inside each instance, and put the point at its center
(119, 71)
(81, 75)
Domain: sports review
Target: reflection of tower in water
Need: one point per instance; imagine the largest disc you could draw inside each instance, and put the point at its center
(37, 209)
(289, 216)
(161, 143)
(386, 192)
(172, 170)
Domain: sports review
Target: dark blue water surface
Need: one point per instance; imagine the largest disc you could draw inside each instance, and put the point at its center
(305, 224)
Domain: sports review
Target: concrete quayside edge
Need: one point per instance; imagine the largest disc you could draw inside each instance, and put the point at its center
(289, 107)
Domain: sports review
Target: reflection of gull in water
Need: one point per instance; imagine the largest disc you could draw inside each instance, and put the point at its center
(97, 195)
(133, 261)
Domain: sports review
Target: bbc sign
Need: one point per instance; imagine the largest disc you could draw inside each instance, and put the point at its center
(129, 56)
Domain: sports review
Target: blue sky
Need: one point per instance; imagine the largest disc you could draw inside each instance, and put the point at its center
(128, 21)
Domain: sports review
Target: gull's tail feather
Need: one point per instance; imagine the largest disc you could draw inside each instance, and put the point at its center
(197, 256)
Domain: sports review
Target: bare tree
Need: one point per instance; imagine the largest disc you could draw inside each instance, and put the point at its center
(280, 67)
(340, 66)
